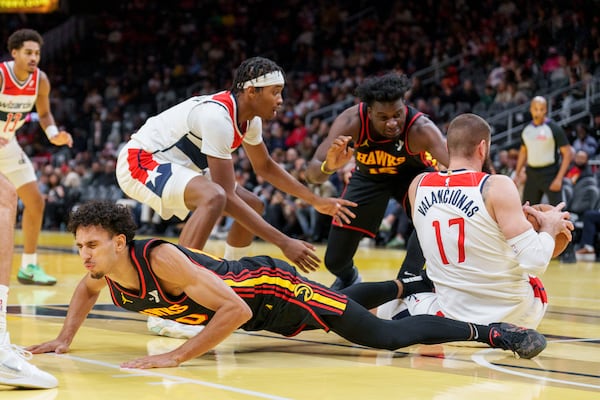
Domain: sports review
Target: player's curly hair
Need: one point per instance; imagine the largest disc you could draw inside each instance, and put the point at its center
(116, 219)
(383, 89)
(17, 38)
(253, 68)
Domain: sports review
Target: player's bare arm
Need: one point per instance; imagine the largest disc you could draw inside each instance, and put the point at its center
(84, 297)
(333, 153)
(265, 166)
(424, 135)
(503, 203)
(300, 253)
(178, 274)
(42, 106)
(567, 153)
(521, 160)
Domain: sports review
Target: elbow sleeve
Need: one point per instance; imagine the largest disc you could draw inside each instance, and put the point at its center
(533, 250)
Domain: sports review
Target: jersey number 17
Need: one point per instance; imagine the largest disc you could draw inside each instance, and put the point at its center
(460, 240)
(12, 119)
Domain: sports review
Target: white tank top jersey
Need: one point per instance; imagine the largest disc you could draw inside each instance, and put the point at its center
(474, 270)
(202, 124)
(17, 99)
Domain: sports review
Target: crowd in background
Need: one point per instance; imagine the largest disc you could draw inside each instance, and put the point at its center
(138, 60)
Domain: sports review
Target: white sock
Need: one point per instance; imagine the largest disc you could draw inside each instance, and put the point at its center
(27, 259)
(235, 253)
(3, 307)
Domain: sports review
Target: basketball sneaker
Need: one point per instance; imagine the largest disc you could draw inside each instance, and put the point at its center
(525, 343)
(340, 284)
(16, 371)
(172, 329)
(35, 275)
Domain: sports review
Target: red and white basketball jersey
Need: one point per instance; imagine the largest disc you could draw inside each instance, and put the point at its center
(206, 124)
(17, 99)
(474, 270)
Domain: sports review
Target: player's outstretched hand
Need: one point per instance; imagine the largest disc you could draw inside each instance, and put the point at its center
(58, 346)
(302, 255)
(63, 138)
(337, 208)
(339, 153)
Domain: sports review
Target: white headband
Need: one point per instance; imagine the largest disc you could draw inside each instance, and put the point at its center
(269, 79)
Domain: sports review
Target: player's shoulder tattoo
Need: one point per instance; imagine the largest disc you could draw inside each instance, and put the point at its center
(487, 187)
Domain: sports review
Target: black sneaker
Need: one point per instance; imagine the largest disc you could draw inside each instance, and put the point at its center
(339, 284)
(525, 343)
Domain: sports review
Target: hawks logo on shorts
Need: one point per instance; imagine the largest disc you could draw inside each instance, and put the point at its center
(146, 170)
(303, 292)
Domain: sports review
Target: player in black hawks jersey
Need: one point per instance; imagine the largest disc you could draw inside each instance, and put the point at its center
(393, 142)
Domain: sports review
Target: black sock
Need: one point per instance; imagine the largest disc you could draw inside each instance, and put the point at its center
(481, 333)
(416, 284)
(414, 260)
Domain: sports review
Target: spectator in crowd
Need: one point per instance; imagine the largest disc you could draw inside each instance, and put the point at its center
(584, 141)
(395, 225)
(587, 242)
(56, 210)
(502, 164)
(467, 93)
(580, 168)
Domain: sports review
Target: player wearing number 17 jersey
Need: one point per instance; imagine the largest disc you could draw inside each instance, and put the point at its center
(22, 86)
(481, 252)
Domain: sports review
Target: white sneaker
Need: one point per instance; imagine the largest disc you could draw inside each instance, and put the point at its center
(16, 371)
(169, 328)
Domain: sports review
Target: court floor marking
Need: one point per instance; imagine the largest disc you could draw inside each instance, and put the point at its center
(575, 340)
(480, 359)
(174, 378)
(569, 298)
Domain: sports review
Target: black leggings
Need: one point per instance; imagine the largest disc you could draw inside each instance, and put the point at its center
(414, 260)
(359, 326)
(372, 294)
(340, 253)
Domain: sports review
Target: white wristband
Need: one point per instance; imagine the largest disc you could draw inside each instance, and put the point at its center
(51, 131)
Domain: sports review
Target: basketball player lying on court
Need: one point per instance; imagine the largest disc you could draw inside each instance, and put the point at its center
(158, 278)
